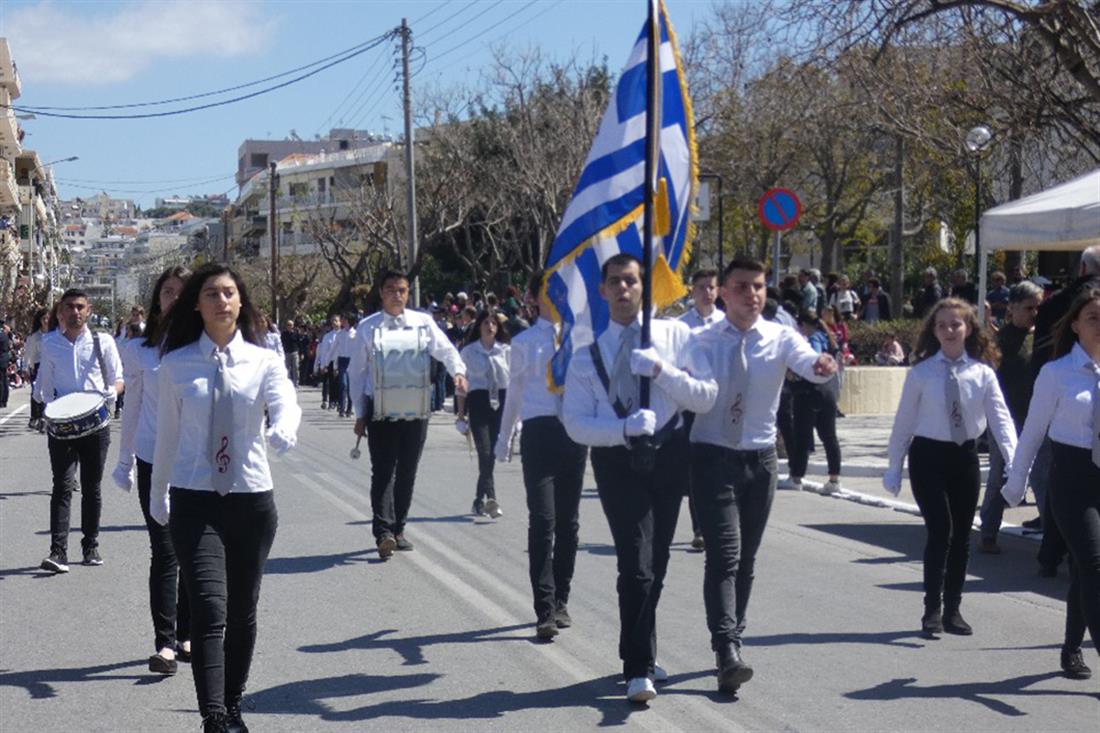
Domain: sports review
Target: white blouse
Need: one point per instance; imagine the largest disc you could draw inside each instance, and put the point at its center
(139, 412)
(1061, 406)
(479, 361)
(258, 380)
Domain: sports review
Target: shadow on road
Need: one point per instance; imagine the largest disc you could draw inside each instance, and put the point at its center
(309, 697)
(987, 694)
(411, 648)
(316, 563)
(108, 528)
(888, 638)
(39, 683)
(13, 494)
(1015, 570)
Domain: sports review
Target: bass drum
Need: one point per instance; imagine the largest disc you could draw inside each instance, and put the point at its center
(76, 414)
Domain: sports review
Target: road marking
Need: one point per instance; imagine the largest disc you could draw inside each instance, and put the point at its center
(498, 614)
(13, 413)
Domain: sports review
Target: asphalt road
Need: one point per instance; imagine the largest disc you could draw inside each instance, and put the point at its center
(441, 639)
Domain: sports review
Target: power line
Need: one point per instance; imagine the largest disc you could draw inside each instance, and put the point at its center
(350, 92)
(142, 182)
(196, 108)
(429, 14)
(173, 189)
(467, 22)
(511, 30)
(371, 43)
(452, 16)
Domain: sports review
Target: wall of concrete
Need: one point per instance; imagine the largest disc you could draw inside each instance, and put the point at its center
(871, 390)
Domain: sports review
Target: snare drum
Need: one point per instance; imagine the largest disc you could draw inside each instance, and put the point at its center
(76, 414)
(402, 374)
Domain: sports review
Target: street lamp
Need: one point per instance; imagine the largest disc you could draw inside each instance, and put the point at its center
(977, 140)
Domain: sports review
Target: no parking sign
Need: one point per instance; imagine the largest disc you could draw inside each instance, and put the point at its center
(779, 209)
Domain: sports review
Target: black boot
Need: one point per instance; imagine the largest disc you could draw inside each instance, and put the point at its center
(953, 622)
(1073, 665)
(234, 723)
(215, 723)
(732, 669)
(931, 622)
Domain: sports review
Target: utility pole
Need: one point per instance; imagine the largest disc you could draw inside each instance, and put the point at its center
(225, 234)
(274, 181)
(897, 262)
(410, 167)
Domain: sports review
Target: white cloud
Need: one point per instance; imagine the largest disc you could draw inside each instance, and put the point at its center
(53, 43)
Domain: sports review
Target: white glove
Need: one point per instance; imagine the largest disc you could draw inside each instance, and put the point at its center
(123, 476)
(501, 451)
(891, 481)
(158, 506)
(642, 422)
(1014, 491)
(280, 441)
(461, 426)
(645, 362)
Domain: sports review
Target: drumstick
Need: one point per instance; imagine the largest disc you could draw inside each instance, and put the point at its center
(355, 451)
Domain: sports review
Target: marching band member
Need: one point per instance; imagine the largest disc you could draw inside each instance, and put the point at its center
(141, 360)
(395, 443)
(215, 381)
(600, 409)
(1066, 405)
(75, 359)
(322, 365)
(486, 358)
(32, 353)
(949, 395)
(743, 359)
(553, 469)
(340, 357)
(704, 311)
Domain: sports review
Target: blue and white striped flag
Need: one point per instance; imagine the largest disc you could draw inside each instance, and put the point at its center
(604, 217)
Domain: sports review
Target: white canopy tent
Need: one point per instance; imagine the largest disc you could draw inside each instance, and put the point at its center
(1065, 217)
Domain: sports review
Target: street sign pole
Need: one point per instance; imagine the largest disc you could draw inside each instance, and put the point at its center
(777, 252)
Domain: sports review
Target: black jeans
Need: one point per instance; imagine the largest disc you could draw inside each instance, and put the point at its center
(343, 387)
(326, 390)
(36, 406)
(395, 447)
(784, 418)
(814, 407)
(90, 453)
(946, 479)
(167, 593)
(484, 428)
(733, 490)
(641, 510)
(222, 544)
(1075, 505)
(553, 475)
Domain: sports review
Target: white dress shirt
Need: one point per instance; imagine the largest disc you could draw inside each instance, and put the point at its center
(32, 349)
(1061, 406)
(274, 342)
(770, 350)
(694, 319)
(359, 372)
(479, 361)
(324, 351)
(529, 394)
(586, 410)
(342, 344)
(139, 413)
(923, 411)
(257, 378)
(71, 366)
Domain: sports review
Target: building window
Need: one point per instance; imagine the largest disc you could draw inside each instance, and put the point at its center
(259, 160)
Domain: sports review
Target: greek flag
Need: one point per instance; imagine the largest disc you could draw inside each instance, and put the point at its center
(604, 217)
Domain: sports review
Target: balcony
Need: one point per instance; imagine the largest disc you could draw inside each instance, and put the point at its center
(9, 73)
(9, 128)
(306, 202)
(9, 192)
(250, 226)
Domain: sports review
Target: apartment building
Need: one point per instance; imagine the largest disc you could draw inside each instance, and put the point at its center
(254, 156)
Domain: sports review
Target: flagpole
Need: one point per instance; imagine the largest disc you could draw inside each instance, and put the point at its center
(643, 451)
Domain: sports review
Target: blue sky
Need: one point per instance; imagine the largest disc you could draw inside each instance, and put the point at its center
(102, 53)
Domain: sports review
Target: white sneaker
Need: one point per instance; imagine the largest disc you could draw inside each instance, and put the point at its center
(830, 487)
(660, 674)
(640, 689)
(788, 484)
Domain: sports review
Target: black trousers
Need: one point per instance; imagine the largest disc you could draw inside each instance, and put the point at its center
(484, 428)
(343, 386)
(395, 447)
(333, 386)
(89, 453)
(326, 390)
(814, 406)
(222, 543)
(641, 510)
(733, 490)
(5, 385)
(36, 407)
(1075, 501)
(167, 593)
(553, 476)
(946, 480)
(784, 418)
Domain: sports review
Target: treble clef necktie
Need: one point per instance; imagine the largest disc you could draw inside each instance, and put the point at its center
(1095, 413)
(624, 385)
(955, 414)
(221, 429)
(739, 383)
